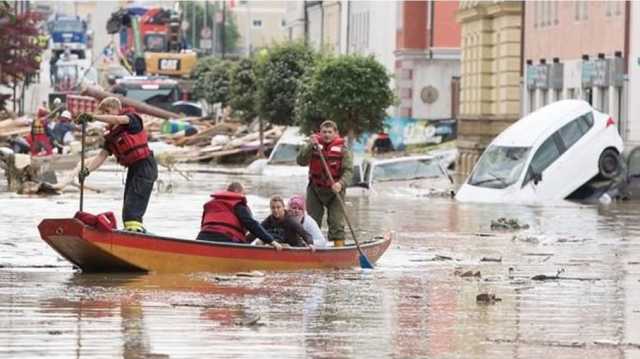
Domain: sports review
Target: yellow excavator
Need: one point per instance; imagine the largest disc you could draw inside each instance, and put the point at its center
(150, 41)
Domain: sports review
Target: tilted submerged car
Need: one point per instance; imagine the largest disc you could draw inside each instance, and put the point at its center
(547, 155)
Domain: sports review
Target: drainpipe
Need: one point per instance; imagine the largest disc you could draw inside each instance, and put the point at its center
(432, 8)
(627, 28)
(348, 44)
(306, 24)
(321, 25)
(522, 39)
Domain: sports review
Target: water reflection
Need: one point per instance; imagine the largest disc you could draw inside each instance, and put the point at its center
(414, 304)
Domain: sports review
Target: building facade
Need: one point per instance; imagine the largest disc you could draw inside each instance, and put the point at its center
(490, 75)
(427, 59)
(260, 23)
(576, 50)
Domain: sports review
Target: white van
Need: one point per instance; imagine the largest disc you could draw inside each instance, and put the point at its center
(282, 161)
(546, 156)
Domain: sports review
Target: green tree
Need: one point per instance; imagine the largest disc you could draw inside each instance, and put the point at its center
(351, 90)
(205, 64)
(278, 73)
(213, 8)
(213, 85)
(243, 91)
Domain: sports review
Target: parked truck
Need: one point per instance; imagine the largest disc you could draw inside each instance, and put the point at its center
(69, 32)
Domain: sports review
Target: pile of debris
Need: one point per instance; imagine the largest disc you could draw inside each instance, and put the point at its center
(173, 140)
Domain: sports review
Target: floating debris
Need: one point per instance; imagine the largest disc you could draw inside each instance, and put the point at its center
(486, 298)
(254, 273)
(490, 259)
(510, 224)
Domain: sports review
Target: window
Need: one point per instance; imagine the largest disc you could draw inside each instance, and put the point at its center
(544, 157)
(581, 9)
(256, 24)
(499, 166)
(574, 130)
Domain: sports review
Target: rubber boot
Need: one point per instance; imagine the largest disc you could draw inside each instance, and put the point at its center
(134, 226)
(338, 242)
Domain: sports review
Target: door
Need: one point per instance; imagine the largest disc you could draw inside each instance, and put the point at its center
(545, 163)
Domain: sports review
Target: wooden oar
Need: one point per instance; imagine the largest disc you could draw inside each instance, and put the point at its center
(365, 263)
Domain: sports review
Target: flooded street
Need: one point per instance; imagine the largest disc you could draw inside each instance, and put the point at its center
(419, 301)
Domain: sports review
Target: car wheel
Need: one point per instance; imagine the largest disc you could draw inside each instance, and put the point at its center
(609, 164)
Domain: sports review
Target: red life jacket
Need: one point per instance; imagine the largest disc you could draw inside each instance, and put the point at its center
(333, 153)
(38, 126)
(127, 147)
(382, 136)
(219, 217)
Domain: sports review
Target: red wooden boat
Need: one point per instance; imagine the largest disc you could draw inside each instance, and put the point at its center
(95, 250)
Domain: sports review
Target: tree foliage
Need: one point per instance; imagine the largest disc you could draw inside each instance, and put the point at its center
(231, 33)
(351, 90)
(20, 54)
(278, 74)
(243, 91)
(213, 85)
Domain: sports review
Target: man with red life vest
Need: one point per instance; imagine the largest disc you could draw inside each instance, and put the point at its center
(320, 192)
(126, 139)
(227, 218)
(40, 136)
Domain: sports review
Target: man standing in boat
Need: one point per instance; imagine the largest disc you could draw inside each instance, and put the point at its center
(321, 193)
(227, 217)
(126, 139)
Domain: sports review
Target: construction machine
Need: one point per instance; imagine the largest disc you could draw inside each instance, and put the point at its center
(151, 41)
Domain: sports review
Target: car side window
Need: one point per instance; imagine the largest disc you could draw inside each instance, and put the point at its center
(546, 154)
(574, 130)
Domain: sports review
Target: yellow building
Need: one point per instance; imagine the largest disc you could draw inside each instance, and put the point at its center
(490, 75)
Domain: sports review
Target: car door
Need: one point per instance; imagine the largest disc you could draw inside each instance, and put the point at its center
(544, 162)
(579, 158)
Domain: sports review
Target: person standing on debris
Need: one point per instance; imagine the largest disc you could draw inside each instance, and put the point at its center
(63, 131)
(40, 136)
(321, 193)
(126, 139)
(227, 217)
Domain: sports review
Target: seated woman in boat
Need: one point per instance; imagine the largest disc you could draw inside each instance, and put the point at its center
(227, 217)
(284, 227)
(298, 211)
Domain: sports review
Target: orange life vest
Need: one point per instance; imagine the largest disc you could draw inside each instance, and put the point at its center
(219, 217)
(127, 147)
(333, 153)
(38, 126)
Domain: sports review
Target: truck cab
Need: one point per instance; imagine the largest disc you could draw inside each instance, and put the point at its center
(69, 32)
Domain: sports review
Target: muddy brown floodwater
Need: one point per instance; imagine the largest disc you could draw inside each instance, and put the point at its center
(419, 301)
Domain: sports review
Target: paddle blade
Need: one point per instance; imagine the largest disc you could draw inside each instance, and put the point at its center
(364, 262)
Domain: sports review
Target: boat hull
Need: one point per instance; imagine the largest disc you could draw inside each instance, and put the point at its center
(93, 250)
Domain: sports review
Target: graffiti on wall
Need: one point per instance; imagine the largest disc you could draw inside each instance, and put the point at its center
(410, 132)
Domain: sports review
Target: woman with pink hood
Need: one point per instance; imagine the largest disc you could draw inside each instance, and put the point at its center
(297, 208)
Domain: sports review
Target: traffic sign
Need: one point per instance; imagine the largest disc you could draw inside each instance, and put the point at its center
(205, 32)
(206, 43)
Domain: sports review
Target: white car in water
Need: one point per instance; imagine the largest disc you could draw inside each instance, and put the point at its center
(412, 176)
(547, 155)
(282, 160)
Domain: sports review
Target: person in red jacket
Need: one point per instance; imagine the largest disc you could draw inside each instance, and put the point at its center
(40, 136)
(227, 218)
(126, 139)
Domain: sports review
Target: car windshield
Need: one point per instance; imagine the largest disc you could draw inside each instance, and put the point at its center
(68, 26)
(499, 166)
(157, 95)
(285, 153)
(407, 170)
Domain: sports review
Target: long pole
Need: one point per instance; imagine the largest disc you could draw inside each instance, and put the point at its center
(364, 261)
(82, 148)
(193, 24)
